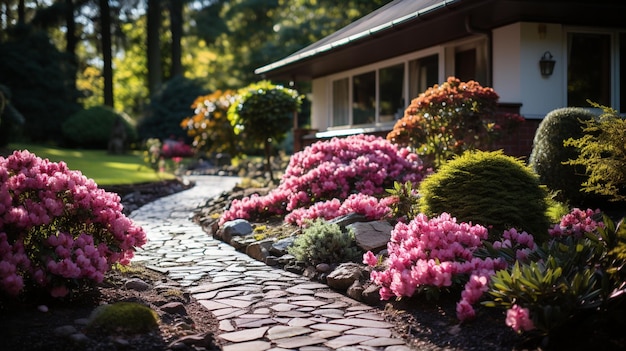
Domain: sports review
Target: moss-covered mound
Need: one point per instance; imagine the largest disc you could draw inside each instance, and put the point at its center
(487, 188)
(126, 317)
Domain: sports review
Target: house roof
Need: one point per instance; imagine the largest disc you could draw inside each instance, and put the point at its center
(404, 26)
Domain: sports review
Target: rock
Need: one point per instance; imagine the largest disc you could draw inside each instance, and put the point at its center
(174, 308)
(294, 268)
(279, 248)
(371, 295)
(237, 227)
(286, 259)
(355, 290)
(323, 267)
(42, 308)
(197, 340)
(309, 272)
(348, 219)
(271, 261)
(371, 236)
(80, 339)
(259, 250)
(136, 284)
(344, 276)
(65, 330)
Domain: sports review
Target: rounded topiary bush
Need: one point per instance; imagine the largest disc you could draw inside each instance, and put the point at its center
(487, 188)
(549, 153)
(91, 128)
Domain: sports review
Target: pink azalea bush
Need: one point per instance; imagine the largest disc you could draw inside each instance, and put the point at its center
(433, 254)
(325, 174)
(57, 228)
(518, 319)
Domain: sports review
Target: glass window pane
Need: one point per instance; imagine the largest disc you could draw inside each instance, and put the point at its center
(364, 98)
(588, 69)
(423, 74)
(341, 103)
(391, 93)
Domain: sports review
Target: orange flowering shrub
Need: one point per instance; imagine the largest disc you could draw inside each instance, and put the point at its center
(450, 118)
(209, 127)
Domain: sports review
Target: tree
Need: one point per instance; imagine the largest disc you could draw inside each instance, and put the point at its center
(155, 74)
(262, 112)
(107, 58)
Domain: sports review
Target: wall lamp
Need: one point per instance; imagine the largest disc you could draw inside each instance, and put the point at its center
(546, 64)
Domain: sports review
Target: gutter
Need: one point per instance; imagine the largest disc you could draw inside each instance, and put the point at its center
(356, 37)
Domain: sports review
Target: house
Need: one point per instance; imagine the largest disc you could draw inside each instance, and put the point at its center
(538, 55)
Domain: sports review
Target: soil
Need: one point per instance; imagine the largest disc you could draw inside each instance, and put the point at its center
(426, 325)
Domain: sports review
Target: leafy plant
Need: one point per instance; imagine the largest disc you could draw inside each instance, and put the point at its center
(58, 230)
(324, 242)
(490, 188)
(577, 273)
(404, 201)
(602, 152)
(263, 112)
(549, 155)
(450, 118)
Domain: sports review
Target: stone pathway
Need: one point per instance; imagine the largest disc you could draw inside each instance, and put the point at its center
(258, 307)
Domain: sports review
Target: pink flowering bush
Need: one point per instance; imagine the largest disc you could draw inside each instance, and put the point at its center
(325, 174)
(58, 230)
(428, 255)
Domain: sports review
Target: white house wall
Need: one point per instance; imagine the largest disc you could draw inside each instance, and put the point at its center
(320, 104)
(517, 49)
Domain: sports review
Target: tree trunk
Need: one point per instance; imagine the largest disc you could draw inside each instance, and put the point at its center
(154, 50)
(176, 27)
(107, 71)
(268, 155)
(21, 12)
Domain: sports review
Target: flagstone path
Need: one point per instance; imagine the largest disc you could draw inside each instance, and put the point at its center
(258, 307)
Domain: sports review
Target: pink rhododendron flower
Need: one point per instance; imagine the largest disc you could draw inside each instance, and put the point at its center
(519, 319)
(370, 259)
(576, 223)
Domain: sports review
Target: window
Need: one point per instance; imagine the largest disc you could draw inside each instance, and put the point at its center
(341, 105)
(588, 69)
(364, 98)
(380, 95)
(391, 93)
(423, 74)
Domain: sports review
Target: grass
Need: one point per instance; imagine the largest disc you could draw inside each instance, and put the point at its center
(103, 168)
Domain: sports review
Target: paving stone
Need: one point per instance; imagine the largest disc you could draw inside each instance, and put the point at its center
(282, 307)
(310, 303)
(380, 342)
(300, 322)
(244, 335)
(247, 346)
(376, 332)
(235, 303)
(282, 331)
(212, 305)
(299, 341)
(325, 334)
(333, 327)
(248, 323)
(357, 322)
(347, 340)
(226, 326)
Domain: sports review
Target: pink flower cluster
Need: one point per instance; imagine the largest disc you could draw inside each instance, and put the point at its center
(439, 252)
(518, 318)
(431, 252)
(334, 169)
(576, 223)
(371, 207)
(57, 226)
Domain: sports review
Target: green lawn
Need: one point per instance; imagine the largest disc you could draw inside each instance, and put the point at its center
(103, 168)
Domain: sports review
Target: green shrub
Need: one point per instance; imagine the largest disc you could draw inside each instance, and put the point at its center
(549, 153)
(127, 317)
(487, 188)
(324, 242)
(91, 128)
(602, 152)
